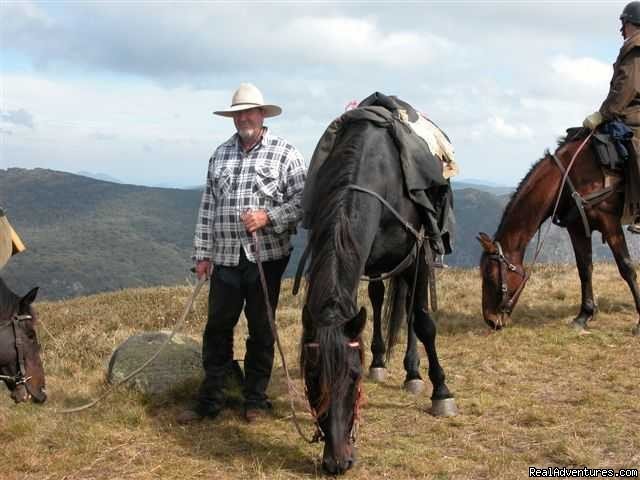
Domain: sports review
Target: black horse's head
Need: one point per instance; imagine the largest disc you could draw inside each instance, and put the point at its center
(331, 362)
(20, 363)
(502, 283)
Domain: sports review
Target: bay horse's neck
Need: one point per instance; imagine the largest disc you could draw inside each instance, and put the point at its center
(530, 206)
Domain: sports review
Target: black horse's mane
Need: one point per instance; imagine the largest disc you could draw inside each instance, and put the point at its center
(8, 300)
(333, 247)
(335, 258)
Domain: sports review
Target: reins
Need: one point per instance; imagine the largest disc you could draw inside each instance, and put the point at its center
(175, 330)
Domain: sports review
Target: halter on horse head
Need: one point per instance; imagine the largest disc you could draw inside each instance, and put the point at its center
(20, 364)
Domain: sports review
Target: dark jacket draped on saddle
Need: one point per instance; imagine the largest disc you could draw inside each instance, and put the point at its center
(422, 171)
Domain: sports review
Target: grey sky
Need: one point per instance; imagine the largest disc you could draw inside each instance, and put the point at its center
(127, 88)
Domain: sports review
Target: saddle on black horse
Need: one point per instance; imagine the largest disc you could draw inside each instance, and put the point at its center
(422, 170)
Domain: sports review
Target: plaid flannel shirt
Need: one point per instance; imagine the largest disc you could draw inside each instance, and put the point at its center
(271, 177)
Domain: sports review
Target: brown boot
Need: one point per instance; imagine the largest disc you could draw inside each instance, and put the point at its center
(192, 416)
(188, 416)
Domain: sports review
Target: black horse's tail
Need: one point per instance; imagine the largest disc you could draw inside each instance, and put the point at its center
(395, 311)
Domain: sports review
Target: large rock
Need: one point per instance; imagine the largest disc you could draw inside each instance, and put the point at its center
(179, 363)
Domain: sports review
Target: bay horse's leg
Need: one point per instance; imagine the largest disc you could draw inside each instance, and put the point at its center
(377, 369)
(584, 260)
(413, 381)
(442, 400)
(618, 245)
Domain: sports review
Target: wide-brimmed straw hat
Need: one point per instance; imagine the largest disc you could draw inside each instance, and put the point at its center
(248, 96)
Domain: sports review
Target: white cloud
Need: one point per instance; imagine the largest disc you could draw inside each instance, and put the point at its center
(510, 131)
(17, 117)
(343, 40)
(583, 71)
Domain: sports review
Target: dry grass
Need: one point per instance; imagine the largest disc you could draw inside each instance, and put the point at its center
(534, 394)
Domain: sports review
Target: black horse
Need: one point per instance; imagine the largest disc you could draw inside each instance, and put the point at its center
(20, 364)
(353, 231)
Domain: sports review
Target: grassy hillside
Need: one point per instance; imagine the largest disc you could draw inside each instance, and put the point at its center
(535, 394)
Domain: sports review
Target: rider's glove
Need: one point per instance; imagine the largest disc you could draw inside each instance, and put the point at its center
(593, 120)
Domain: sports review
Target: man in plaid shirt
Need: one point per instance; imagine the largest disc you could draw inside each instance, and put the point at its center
(254, 184)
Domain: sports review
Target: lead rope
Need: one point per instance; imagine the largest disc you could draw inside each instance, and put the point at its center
(177, 327)
(274, 330)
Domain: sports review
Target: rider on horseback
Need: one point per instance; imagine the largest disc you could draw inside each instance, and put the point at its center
(623, 103)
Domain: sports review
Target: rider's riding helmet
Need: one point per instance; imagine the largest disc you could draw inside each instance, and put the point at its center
(631, 13)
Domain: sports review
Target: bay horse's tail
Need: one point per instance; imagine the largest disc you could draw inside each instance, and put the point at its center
(395, 311)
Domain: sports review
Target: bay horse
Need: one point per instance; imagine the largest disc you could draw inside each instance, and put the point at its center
(501, 263)
(353, 231)
(20, 363)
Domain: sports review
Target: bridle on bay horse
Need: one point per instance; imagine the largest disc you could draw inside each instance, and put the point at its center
(20, 378)
(506, 300)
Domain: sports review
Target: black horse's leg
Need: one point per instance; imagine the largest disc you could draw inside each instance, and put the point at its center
(584, 261)
(618, 245)
(413, 381)
(425, 328)
(376, 296)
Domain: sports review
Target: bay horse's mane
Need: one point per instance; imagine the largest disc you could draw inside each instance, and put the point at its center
(529, 182)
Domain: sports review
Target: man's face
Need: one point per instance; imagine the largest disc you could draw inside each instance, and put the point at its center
(249, 123)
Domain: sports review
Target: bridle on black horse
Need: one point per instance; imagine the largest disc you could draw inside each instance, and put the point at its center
(20, 378)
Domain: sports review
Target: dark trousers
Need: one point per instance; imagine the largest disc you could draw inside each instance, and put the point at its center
(231, 290)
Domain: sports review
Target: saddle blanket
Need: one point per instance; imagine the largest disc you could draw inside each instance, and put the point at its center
(437, 142)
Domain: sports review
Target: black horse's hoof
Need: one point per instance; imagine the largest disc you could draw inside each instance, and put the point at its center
(377, 374)
(578, 325)
(414, 386)
(444, 408)
(636, 331)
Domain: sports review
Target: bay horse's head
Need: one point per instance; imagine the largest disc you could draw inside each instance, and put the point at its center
(502, 283)
(20, 364)
(331, 362)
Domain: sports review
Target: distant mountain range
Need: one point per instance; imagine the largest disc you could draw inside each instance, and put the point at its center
(85, 235)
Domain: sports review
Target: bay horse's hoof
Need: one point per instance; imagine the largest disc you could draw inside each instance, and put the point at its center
(444, 408)
(414, 386)
(636, 331)
(377, 374)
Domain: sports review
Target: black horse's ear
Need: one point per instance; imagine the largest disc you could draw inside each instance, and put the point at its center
(486, 242)
(308, 329)
(29, 298)
(353, 328)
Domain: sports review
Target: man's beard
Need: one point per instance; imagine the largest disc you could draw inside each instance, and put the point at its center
(247, 134)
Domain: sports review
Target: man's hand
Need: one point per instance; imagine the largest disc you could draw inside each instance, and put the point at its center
(203, 269)
(593, 120)
(254, 220)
